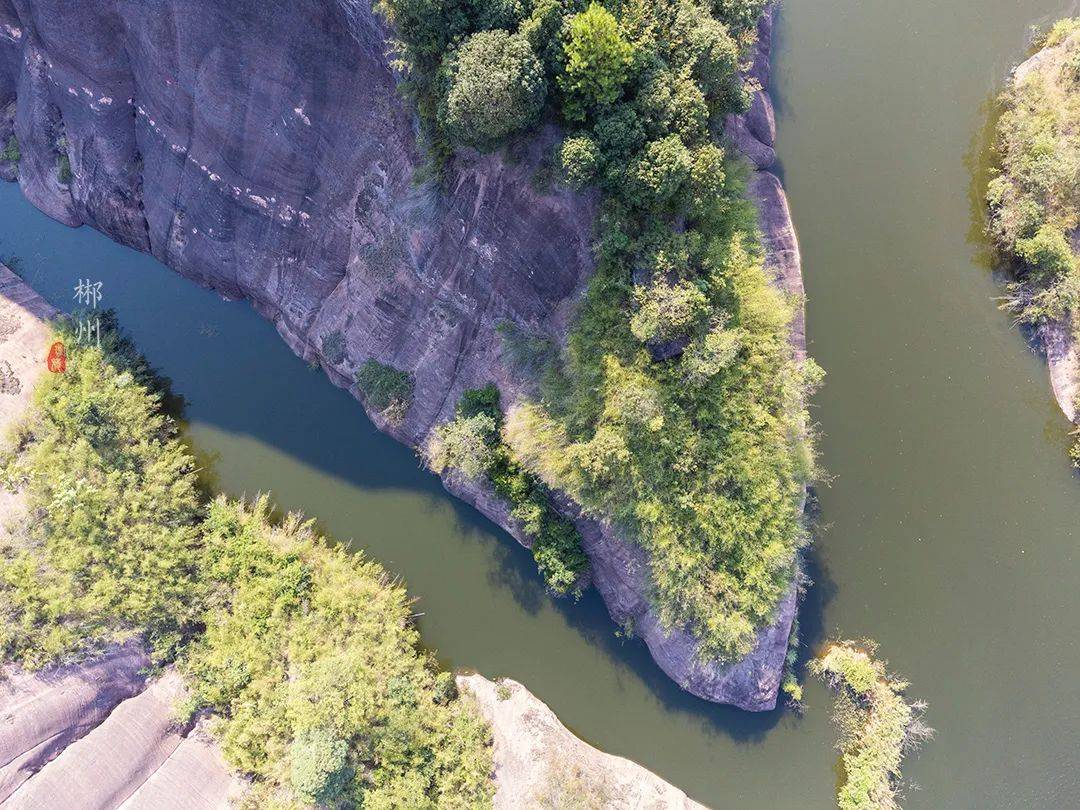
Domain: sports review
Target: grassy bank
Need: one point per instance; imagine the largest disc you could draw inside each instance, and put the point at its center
(676, 408)
(305, 655)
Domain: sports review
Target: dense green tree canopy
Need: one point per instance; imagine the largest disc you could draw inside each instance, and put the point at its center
(305, 653)
(597, 59)
(497, 87)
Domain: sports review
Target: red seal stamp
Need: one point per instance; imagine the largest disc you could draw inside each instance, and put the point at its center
(57, 359)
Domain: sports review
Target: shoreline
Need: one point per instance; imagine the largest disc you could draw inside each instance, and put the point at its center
(433, 314)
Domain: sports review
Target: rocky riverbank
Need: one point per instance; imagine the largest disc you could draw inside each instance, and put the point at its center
(265, 152)
(102, 732)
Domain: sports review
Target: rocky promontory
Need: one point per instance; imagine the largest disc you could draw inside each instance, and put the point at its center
(262, 149)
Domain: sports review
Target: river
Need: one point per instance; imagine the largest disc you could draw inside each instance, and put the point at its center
(951, 513)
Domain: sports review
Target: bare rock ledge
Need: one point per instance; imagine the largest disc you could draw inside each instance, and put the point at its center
(539, 762)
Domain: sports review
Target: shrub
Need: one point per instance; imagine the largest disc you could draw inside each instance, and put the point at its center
(666, 311)
(1047, 251)
(496, 87)
(715, 352)
(384, 388)
(477, 401)
(556, 543)
(320, 767)
(597, 62)
(333, 347)
(661, 171)
(877, 726)
(464, 444)
(11, 153)
(63, 169)
(580, 158)
(526, 353)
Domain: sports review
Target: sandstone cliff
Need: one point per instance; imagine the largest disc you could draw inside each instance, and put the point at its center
(261, 148)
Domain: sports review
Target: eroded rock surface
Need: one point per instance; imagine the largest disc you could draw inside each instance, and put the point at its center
(260, 147)
(42, 713)
(137, 756)
(540, 763)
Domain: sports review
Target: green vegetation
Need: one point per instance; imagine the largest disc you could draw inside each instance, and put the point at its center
(333, 347)
(702, 457)
(385, 389)
(11, 153)
(877, 725)
(112, 546)
(789, 684)
(471, 444)
(63, 162)
(310, 661)
(597, 62)
(304, 653)
(496, 88)
(1035, 198)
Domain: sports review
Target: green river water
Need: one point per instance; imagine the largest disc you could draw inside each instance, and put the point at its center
(951, 512)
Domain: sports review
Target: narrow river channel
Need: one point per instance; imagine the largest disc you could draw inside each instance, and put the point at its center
(951, 515)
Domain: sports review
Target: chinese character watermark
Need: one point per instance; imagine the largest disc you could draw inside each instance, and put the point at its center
(88, 293)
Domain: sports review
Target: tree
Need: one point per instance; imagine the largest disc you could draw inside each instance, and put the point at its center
(320, 769)
(661, 171)
(597, 62)
(580, 158)
(464, 444)
(1048, 251)
(496, 87)
(666, 311)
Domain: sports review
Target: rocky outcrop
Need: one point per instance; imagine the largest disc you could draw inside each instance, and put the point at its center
(134, 755)
(42, 713)
(1063, 358)
(260, 147)
(540, 763)
(1055, 339)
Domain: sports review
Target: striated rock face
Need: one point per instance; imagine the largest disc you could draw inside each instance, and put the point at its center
(540, 763)
(112, 741)
(260, 147)
(41, 713)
